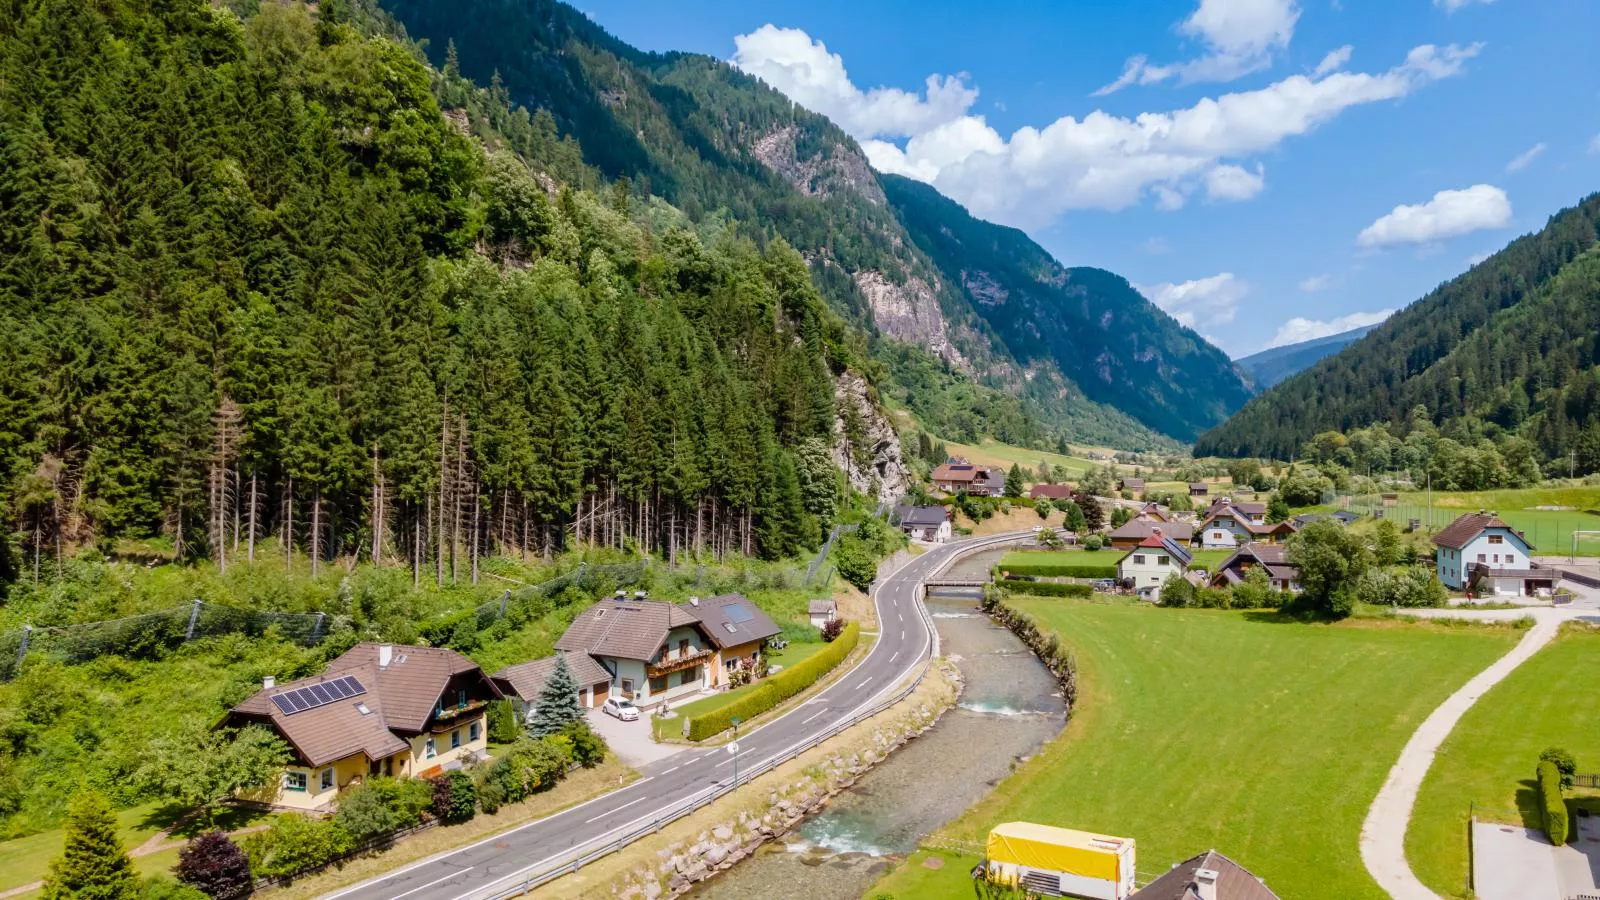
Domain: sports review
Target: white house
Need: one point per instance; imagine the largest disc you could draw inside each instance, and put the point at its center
(822, 612)
(1480, 549)
(1228, 526)
(926, 523)
(1149, 564)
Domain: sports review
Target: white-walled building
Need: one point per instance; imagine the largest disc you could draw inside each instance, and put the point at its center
(1149, 564)
(1480, 549)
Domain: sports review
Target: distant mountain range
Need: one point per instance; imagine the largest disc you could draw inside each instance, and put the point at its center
(1086, 355)
(1269, 367)
(1511, 347)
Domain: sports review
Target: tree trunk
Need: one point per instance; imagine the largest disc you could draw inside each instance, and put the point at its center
(377, 508)
(444, 481)
(250, 538)
(316, 530)
(477, 505)
(288, 526)
(416, 548)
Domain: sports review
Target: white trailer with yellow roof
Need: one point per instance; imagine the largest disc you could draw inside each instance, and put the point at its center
(1042, 859)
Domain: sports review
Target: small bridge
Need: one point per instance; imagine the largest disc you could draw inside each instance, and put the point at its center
(955, 582)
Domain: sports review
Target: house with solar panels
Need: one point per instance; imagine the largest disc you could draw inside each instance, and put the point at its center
(379, 709)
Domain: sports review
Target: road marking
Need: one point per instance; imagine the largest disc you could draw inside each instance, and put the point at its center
(805, 721)
(902, 634)
(604, 814)
(434, 882)
(673, 769)
(864, 683)
(895, 656)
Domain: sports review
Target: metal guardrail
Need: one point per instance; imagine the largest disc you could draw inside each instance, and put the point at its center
(546, 871)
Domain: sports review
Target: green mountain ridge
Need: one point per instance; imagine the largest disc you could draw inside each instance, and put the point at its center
(1269, 367)
(1512, 346)
(721, 145)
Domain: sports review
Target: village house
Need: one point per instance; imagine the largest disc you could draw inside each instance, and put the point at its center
(930, 524)
(1135, 485)
(1271, 558)
(1133, 532)
(1209, 876)
(1227, 526)
(379, 709)
(957, 476)
(1479, 551)
(739, 629)
(1253, 512)
(1148, 565)
(523, 682)
(1198, 489)
(822, 612)
(1050, 492)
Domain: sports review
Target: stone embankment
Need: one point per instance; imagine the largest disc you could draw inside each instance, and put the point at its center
(789, 797)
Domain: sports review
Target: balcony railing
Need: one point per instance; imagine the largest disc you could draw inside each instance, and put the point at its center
(677, 660)
(443, 714)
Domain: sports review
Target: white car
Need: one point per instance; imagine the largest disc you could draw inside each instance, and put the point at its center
(622, 709)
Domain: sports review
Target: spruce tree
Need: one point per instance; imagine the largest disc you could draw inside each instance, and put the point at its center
(1014, 481)
(557, 706)
(92, 864)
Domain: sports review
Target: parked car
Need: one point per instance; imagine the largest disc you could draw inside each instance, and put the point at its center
(622, 709)
(1105, 584)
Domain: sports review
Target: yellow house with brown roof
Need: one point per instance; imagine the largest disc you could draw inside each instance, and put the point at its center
(379, 709)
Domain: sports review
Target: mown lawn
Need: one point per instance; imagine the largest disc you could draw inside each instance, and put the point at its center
(788, 656)
(1263, 738)
(1487, 763)
(1208, 559)
(1060, 558)
(991, 453)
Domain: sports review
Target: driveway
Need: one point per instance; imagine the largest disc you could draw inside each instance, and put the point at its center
(1510, 862)
(631, 740)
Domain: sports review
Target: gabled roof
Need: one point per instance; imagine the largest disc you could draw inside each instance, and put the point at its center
(625, 629)
(1465, 529)
(1164, 543)
(1133, 484)
(399, 697)
(1233, 881)
(1142, 527)
(1274, 558)
(527, 679)
(731, 620)
(1051, 491)
(819, 607)
(956, 471)
(924, 516)
(1233, 513)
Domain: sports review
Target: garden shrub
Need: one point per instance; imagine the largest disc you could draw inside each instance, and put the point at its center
(160, 887)
(1550, 800)
(1061, 570)
(383, 806)
(214, 865)
(502, 722)
(293, 843)
(455, 797)
(533, 765)
(1046, 588)
(777, 688)
(588, 748)
(831, 630)
(1177, 592)
(1565, 763)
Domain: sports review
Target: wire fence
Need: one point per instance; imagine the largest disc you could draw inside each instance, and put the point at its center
(150, 635)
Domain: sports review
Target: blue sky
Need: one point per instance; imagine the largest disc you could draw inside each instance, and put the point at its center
(1267, 170)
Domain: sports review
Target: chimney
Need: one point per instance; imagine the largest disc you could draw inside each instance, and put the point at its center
(268, 683)
(640, 595)
(385, 654)
(694, 601)
(620, 596)
(1205, 883)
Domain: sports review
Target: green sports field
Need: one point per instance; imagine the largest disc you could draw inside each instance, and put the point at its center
(1236, 730)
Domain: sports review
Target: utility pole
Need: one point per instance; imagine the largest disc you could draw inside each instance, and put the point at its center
(734, 749)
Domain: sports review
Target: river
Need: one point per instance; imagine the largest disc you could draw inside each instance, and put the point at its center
(1008, 708)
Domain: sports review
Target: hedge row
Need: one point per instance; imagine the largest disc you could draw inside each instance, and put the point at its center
(1555, 808)
(1060, 570)
(777, 688)
(1046, 588)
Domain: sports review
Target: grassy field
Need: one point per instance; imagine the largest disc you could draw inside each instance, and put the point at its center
(1209, 559)
(1487, 763)
(1263, 738)
(991, 453)
(788, 656)
(1550, 531)
(1061, 557)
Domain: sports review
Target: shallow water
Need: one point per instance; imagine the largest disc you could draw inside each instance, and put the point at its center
(1008, 708)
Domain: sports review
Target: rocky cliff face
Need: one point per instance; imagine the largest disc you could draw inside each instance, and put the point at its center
(842, 168)
(865, 446)
(910, 312)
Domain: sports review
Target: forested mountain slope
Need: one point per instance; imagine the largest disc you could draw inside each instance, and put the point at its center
(1270, 367)
(718, 143)
(1512, 345)
(1117, 346)
(253, 279)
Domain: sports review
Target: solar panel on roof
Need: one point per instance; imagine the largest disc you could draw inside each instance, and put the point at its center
(737, 613)
(315, 695)
(283, 704)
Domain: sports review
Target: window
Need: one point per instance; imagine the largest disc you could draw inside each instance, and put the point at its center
(627, 688)
(294, 781)
(1138, 559)
(473, 731)
(461, 697)
(1497, 558)
(455, 739)
(1481, 557)
(1497, 539)
(1162, 560)
(327, 778)
(683, 647)
(1511, 559)
(658, 684)
(428, 750)
(689, 676)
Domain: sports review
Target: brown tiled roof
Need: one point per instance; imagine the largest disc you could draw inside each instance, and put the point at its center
(527, 679)
(1251, 509)
(399, 697)
(1274, 558)
(1133, 484)
(1234, 882)
(818, 607)
(1255, 528)
(1051, 491)
(626, 629)
(1460, 533)
(731, 620)
(956, 472)
(1141, 528)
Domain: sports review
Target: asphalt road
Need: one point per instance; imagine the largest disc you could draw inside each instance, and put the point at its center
(904, 641)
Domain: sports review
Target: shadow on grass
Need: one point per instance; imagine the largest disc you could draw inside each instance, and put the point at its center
(184, 825)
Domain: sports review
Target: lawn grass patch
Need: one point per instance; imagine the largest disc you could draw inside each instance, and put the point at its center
(1487, 764)
(1061, 563)
(994, 453)
(1208, 559)
(1264, 738)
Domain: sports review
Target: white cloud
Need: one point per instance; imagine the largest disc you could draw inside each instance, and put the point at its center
(1453, 5)
(1232, 183)
(1240, 38)
(1449, 214)
(1476, 258)
(1333, 62)
(1525, 158)
(1169, 199)
(1157, 246)
(1201, 303)
(1315, 284)
(804, 70)
(1594, 145)
(1299, 329)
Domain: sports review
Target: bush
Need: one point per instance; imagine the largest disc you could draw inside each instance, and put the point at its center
(831, 630)
(383, 806)
(160, 887)
(1550, 800)
(216, 866)
(588, 749)
(1046, 588)
(455, 797)
(533, 765)
(502, 722)
(1093, 542)
(1177, 592)
(1564, 762)
(1060, 570)
(855, 563)
(778, 688)
(293, 843)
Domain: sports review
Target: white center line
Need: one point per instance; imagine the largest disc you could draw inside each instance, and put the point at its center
(673, 769)
(435, 881)
(616, 809)
(896, 654)
(822, 712)
(864, 683)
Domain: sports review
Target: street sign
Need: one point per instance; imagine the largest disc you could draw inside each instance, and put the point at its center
(733, 748)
